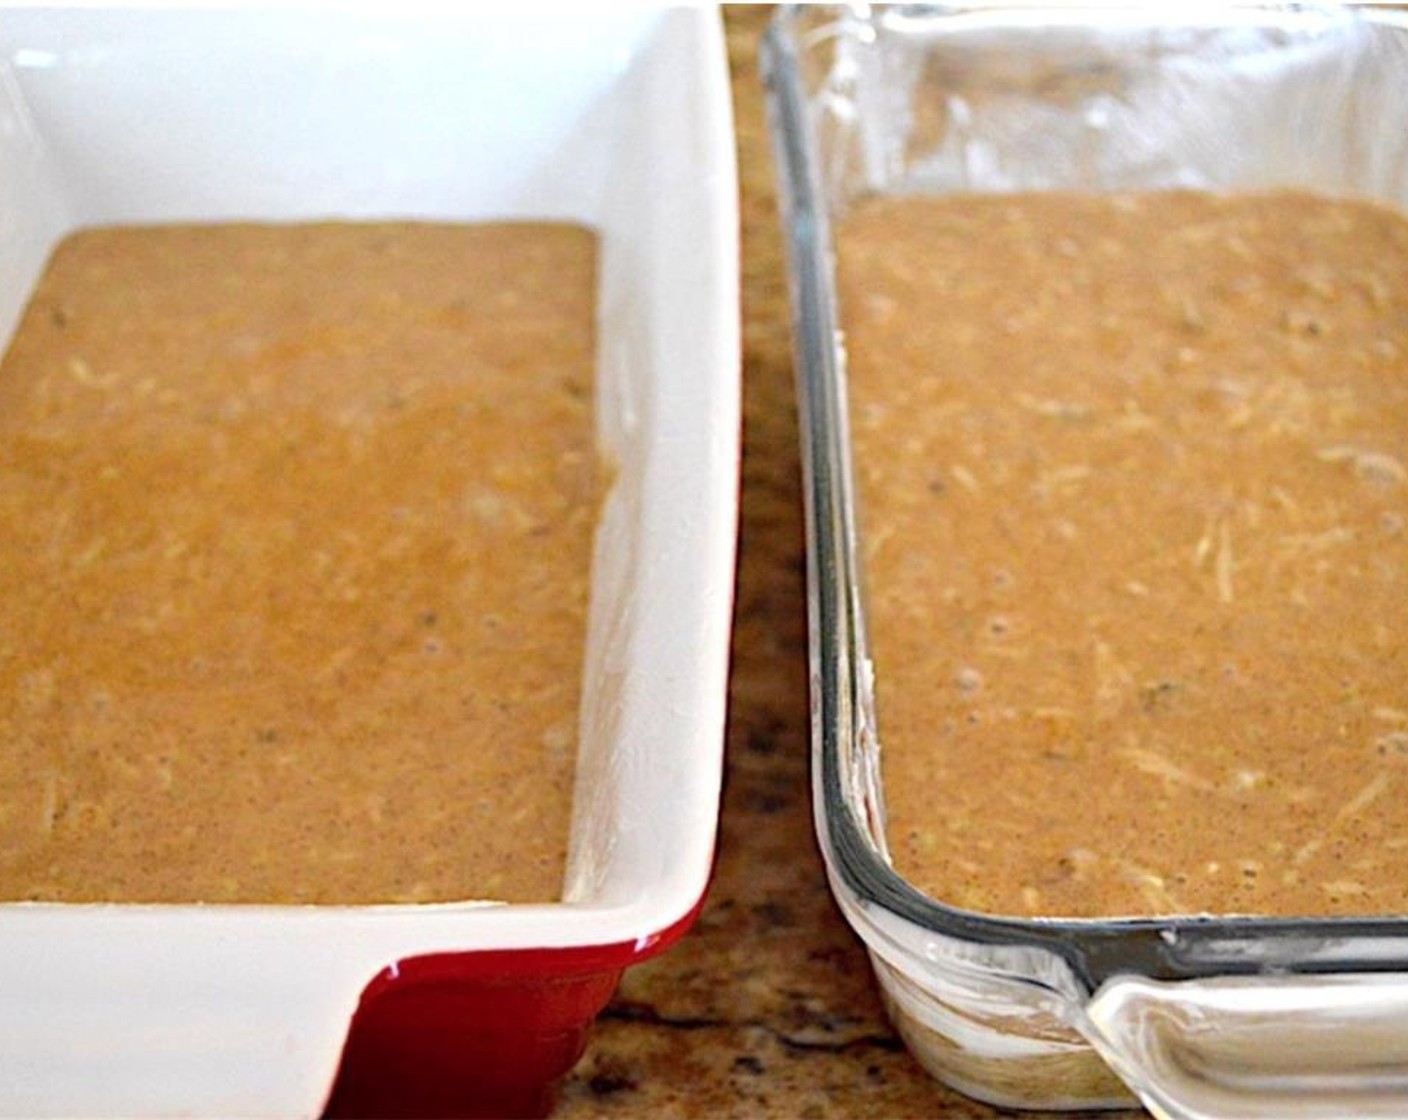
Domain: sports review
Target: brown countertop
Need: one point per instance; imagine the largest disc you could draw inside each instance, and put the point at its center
(767, 1007)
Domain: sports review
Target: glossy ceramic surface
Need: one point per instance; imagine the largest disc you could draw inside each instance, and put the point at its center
(615, 117)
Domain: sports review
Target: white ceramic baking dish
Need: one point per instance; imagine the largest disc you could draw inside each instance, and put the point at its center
(615, 117)
(1195, 1016)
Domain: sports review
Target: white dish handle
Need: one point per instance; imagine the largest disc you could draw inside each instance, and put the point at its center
(1258, 1046)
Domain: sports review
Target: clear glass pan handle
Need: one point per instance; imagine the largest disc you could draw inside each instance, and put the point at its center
(1258, 1046)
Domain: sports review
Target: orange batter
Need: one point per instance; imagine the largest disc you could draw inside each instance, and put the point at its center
(296, 527)
(1133, 482)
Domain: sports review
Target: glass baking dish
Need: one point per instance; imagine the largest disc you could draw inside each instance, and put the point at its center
(618, 119)
(1194, 1016)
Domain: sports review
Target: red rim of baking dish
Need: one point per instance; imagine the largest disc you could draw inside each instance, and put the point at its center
(486, 1033)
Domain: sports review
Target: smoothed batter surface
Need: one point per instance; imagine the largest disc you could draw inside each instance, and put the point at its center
(296, 527)
(1133, 477)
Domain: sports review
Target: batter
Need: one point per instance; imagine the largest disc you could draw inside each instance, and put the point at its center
(296, 527)
(1133, 481)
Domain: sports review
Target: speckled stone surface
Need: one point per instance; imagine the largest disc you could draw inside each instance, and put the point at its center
(767, 1008)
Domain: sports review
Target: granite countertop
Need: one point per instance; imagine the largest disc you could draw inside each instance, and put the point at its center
(767, 1007)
